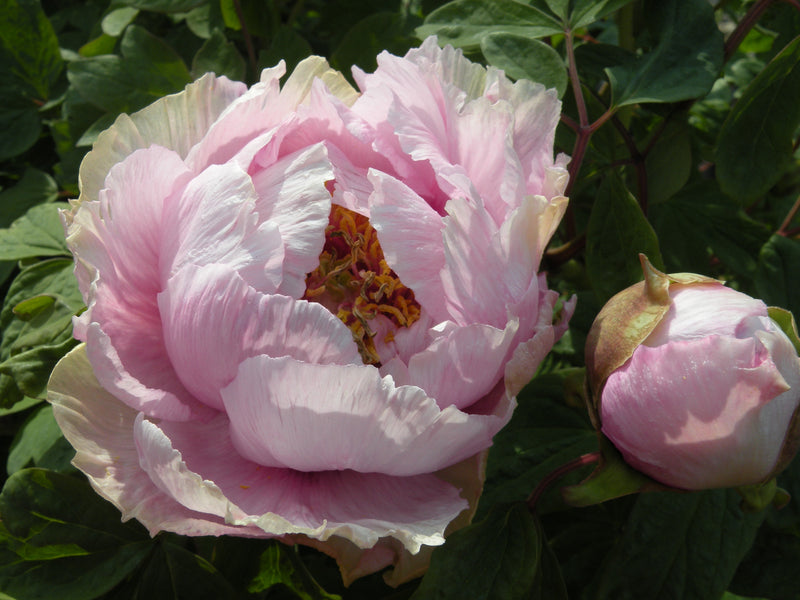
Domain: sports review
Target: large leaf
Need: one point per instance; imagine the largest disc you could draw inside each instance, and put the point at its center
(163, 5)
(39, 443)
(496, 559)
(35, 187)
(219, 56)
(679, 545)
(683, 64)
(463, 23)
(526, 58)
(778, 268)
(280, 566)
(755, 145)
(61, 540)
(617, 233)
(585, 12)
(147, 70)
(38, 232)
(544, 434)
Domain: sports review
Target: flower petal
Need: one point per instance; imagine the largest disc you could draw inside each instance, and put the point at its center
(176, 122)
(328, 417)
(700, 427)
(100, 428)
(213, 320)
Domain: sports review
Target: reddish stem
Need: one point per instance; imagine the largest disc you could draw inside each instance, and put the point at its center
(248, 41)
(744, 27)
(787, 221)
(572, 465)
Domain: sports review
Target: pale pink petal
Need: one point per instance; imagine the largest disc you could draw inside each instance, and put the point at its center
(215, 222)
(415, 253)
(699, 425)
(293, 197)
(361, 507)
(688, 317)
(177, 122)
(462, 367)
(119, 234)
(100, 428)
(320, 417)
(213, 320)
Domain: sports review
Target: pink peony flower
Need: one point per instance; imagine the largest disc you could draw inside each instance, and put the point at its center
(310, 309)
(694, 383)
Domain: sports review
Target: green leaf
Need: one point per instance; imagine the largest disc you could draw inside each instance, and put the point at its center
(463, 23)
(617, 233)
(166, 6)
(585, 12)
(62, 540)
(754, 147)
(171, 572)
(35, 187)
(37, 233)
(776, 278)
(30, 59)
(147, 70)
(700, 220)
(679, 545)
(525, 58)
(39, 443)
(218, 55)
(21, 128)
(287, 45)
(495, 559)
(684, 62)
(368, 38)
(115, 22)
(669, 162)
(31, 369)
(280, 566)
(545, 433)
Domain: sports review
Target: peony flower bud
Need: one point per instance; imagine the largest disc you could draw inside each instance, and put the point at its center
(694, 383)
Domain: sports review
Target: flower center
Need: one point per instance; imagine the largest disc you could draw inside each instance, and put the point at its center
(354, 282)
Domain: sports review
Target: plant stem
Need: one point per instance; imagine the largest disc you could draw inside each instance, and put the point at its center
(248, 41)
(744, 27)
(787, 221)
(541, 488)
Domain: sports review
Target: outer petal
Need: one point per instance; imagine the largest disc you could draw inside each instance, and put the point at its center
(361, 507)
(688, 315)
(213, 320)
(177, 122)
(100, 428)
(322, 417)
(699, 425)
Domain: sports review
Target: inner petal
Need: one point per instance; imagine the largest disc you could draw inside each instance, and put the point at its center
(355, 283)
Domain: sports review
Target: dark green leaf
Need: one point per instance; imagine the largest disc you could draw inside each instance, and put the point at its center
(669, 162)
(20, 127)
(544, 434)
(31, 369)
(62, 540)
(147, 70)
(35, 187)
(368, 38)
(776, 278)
(526, 58)
(585, 12)
(287, 45)
(39, 443)
(495, 559)
(755, 145)
(30, 60)
(280, 566)
(167, 6)
(463, 23)
(219, 56)
(678, 545)
(115, 22)
(37, 233)
(699, 220)
(684, 62)
(617, 233)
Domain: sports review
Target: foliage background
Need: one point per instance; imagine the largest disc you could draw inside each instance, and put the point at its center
(682, 120)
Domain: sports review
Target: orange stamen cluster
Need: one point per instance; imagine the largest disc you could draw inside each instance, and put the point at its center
(354, 282)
